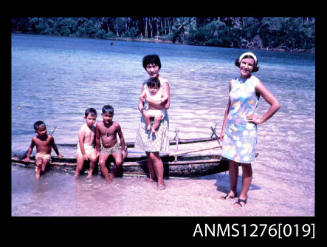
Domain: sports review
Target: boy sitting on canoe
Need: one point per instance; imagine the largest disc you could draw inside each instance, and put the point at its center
(107, 131)
(43, 142)
(86, 143)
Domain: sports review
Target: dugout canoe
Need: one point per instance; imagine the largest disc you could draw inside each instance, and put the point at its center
(176, 164)
(185, 166)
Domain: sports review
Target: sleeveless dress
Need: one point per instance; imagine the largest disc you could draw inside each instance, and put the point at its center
(153, 142)
(240, 137)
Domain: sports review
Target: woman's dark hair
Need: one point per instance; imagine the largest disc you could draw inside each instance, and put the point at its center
(149, 59)
(153, 82)
(91, 111)
(255, 66)
(38, 124)
(108, 109)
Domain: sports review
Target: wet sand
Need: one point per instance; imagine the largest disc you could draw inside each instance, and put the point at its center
(135, 196)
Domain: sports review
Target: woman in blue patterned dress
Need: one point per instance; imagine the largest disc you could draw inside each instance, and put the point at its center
(239, 130)
(146, 140)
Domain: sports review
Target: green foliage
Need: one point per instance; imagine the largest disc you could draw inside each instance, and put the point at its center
(244, 32)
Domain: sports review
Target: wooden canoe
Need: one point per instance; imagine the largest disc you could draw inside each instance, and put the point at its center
(176, 164)
(185, 166)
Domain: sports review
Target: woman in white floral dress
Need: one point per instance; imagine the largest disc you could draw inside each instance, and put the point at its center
(146, 140)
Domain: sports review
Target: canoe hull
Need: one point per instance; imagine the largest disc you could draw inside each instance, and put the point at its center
(192, 166)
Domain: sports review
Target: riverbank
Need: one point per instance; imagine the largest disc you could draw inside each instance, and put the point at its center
(165, 41)
(157, 40)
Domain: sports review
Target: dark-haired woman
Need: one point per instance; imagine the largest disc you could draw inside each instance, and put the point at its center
(154, 142)
(239, 130)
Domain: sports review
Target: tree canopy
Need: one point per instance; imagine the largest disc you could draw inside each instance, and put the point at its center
(283, 33)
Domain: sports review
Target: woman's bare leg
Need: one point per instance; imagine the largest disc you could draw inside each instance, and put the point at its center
(152, 175)
(246, 183)
(158, 168)
(233, 175)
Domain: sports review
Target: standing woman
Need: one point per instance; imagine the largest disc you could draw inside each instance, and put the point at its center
(239, 130)
(153, 143)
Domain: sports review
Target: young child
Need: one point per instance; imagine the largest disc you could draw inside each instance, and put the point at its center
(43, 143)
(86, 143)
(152, 91)
(107, 131)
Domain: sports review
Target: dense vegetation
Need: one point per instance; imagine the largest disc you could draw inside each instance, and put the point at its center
(282, 33)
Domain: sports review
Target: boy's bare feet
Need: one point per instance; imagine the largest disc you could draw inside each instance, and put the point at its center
(89, 174)
(108, 181)
(37, 172)
(150, 180)
(161, 186)
(108, 178)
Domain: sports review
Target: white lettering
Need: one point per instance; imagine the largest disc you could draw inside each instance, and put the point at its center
(219, 229)
(234, 228)
(212, 231)
(197, 230)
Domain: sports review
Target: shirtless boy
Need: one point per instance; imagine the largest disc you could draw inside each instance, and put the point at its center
(86, 143)
(107, 131)
(43, 143)
(152, 91)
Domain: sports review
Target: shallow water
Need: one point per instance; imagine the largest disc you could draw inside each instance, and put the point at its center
(55, 79)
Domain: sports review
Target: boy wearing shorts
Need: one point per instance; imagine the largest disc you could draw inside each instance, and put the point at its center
(86, 143)
(107, 131)
(44, 143)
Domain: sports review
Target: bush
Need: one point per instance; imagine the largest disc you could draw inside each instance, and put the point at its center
(109, 35)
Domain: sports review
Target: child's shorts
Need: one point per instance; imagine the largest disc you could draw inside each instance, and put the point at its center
(114, 149)
(43, 156)
(89, 150)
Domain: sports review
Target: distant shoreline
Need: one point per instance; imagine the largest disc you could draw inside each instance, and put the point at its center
(149, 40)
(310, 51)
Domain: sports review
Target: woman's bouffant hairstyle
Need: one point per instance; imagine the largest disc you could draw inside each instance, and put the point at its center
(248, 55)
(149, 59)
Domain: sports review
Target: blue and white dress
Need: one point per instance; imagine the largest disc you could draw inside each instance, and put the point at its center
(240, 137)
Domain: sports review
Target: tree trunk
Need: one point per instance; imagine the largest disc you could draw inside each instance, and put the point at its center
(146, 28)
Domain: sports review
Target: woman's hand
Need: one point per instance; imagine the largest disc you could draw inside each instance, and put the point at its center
(252, 118)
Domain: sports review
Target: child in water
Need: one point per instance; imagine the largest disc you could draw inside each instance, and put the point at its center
(86, 143)
(43, 142)
(107, 131)
(152, 90)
